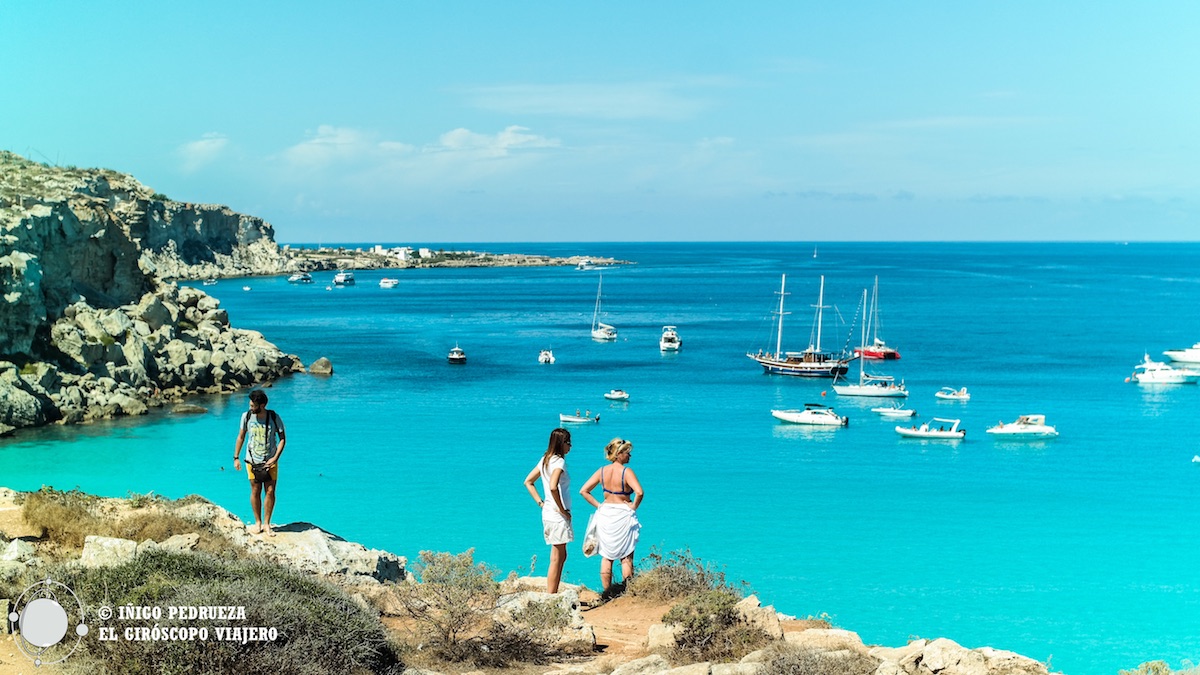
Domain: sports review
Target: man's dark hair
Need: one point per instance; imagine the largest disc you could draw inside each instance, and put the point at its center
(258, 396)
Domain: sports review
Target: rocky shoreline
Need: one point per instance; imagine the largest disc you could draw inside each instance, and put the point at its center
(94, 324)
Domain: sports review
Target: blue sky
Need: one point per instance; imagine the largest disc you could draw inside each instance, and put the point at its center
(623, 121)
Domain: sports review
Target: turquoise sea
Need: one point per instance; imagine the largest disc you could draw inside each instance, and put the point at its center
(1081, 550)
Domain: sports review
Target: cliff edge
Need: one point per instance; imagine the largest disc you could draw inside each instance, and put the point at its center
(89, 328)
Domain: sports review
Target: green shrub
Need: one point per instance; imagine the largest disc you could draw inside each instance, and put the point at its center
(673, 575)
(453, 603)
(712, 628)
(454, 610)
(785, 659)
(319, 628)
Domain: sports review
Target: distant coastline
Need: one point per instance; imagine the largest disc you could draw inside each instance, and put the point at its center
(315, 258)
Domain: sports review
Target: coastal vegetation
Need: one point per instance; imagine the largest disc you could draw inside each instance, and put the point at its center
(318, 627)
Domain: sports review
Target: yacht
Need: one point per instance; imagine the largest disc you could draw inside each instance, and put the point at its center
(669, 342)
(300, 278)
(389, 282)
(343, 278)
(1026, 426)
(813, 413)
(457, 355)
(546, 356)
(1157, 372)
(1190, 355)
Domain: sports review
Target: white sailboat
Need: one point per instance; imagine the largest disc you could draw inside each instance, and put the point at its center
(811, 362)
(601, 331)
(870, 385)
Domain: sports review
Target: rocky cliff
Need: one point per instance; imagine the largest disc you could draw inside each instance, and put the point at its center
(89, 326)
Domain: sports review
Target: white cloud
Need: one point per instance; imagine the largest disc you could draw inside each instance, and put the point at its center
(498, 145)
(330, 144)
(198, 154)
(637, 100)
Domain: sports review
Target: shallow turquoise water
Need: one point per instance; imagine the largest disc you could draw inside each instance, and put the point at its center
(1082, 548)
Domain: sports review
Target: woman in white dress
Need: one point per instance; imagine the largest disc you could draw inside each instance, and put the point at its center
(556, 503)
(617, 526)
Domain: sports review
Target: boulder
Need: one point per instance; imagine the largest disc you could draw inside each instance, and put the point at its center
(106, 551)
(321, 366)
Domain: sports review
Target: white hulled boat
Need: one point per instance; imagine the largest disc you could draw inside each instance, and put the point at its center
(1157, 372)
(578, 419)
(813, 413)
(617, 395)
(926, 430)
(1026, 426)
(952, 394)
(897, 410)
(883, 386)
(811, 362)
(457, 355)
(546, 356)
(601, 331)
(343, 278)
(389, 282)
(1191, 355)
(669, 341)
(300, 278)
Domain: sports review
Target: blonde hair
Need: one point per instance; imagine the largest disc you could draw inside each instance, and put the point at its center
(615, 447)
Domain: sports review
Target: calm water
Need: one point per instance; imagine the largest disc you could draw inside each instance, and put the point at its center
(1081, 549)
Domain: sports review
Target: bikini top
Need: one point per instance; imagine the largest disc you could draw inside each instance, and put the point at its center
(624, 490)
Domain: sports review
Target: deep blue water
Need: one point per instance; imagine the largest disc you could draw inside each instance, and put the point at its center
(1081, 549)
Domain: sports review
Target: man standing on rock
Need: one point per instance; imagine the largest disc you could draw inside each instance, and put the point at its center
(262, 427)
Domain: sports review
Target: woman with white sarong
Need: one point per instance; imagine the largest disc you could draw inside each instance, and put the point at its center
(617, 526)
(556, 506)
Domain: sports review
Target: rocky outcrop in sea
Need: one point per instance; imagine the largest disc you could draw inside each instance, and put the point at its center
(89, 326)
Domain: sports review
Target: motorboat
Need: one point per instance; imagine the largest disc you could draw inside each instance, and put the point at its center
(1026, 426)
(617, 395)
(669, 341)
(812, 362)
(300, 278)
(578, 419)
(585, 265)
(601, 331)
(926, 430)
(389, 282)
(895, 411)
(813, 413)
(546, 356)
(1190, 355)
(878, 349)
(343, 278)
(245, 288)
(952, 394)
(210, 282)
(1157, 372)
(883, 386)
(457, 355)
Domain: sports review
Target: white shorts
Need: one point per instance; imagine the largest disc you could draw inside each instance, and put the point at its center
(557, 531)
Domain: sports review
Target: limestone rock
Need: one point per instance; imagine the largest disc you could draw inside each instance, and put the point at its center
(704, 668)
(833, 639)
(662, 636)
(17, 551)
(649, 665)
(106, 551)
(321, 366)
(764, 618)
